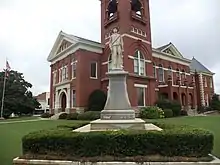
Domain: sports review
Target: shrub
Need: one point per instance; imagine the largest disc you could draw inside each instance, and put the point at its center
(178, 141)
(168, 113)
(167, 104)
(183, 113)
(73, 125)
(46, 115)
(89, 115)
(63, 116)
(215, 102)
(97, 100)
(151, 113)
(72, 116)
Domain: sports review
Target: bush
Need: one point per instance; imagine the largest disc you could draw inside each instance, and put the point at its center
(183, 113)
(215, 102)
(46, 115)
(97, 100)
(63, 116)
(176, 141)
(72, 116)
(73, 125)
(89, 115)
(168, 113)
(151, 113)
(167, 104)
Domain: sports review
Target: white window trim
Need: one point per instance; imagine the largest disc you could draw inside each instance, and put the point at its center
(139, 63)
(159, 74)
(205, 82)
(96, 71)
(73, 63)
(140, 85)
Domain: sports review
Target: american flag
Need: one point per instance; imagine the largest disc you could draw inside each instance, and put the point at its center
(8, 68)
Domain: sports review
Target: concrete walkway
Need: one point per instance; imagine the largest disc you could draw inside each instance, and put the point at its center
(22, 121)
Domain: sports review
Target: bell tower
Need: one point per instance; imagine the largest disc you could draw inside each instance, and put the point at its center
(132, 18)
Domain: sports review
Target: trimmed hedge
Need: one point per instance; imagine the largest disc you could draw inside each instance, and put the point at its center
(89, 115)
(73, 125)
(168, 113)
(172, 141)
(151, 113)
(72, 116)
(63, 116)
(46, 115)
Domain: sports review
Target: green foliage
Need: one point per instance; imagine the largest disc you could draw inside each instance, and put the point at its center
(215, 102)
(89, 115)
(168, 104)
(97, 100)
(63, 116)
(151, 113)
(73, 125)
(46, 115)
(18, 99)
(72, 116)
(168, 113)
(173, 141)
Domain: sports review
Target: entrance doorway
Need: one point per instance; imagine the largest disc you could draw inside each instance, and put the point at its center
(63, 102)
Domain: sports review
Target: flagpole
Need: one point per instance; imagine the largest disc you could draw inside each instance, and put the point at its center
(3, 96)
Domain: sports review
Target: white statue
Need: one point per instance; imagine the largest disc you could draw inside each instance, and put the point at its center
(116, 46)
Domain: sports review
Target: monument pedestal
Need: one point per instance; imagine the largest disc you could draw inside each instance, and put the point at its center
(117, 105)
(118, 113)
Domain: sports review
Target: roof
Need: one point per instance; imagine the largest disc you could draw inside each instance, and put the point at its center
(163, 47)
(198, 66)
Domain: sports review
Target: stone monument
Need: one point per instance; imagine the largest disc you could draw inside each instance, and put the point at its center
(117, 113)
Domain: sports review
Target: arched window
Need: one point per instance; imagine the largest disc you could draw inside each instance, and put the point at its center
(183, 75)
(170, 72)
(178, 73)
(161, 73)
(110, 63)
(139, 64)
(154, 70)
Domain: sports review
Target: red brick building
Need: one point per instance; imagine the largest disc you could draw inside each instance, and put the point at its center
(79, 66)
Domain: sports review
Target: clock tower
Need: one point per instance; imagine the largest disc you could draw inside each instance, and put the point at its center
(132, 19)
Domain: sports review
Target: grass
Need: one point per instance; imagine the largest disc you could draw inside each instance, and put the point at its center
(20, 119)
(11, 134)
(210, 123)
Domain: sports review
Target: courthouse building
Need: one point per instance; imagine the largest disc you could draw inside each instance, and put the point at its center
(79, 65)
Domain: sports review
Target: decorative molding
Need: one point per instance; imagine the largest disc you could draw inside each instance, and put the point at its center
(140, 85)
(138, 31)
(162, 86)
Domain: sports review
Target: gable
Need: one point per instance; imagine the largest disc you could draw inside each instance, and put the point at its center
(64, 44)
(171, 50)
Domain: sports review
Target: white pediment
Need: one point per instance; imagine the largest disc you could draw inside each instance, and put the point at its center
(62, 44)
(172, 50)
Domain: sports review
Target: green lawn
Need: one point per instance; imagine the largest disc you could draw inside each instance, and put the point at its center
(20, 118)
(11, 134)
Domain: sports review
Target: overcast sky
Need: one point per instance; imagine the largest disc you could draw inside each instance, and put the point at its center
(28, 30)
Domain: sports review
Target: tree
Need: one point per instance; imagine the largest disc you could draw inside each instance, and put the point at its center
(97, 100)
(215, 102)
(18, 97)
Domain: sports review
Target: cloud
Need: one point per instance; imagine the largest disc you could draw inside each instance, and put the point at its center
(29, 28)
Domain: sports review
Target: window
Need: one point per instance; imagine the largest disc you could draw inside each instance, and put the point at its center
(60, 75)
(210, 81)
(154, 70)
(178, 75)
(74, 68)
(74, 98)
(93, 71)
(63, 73)
(205, 81)
(141, 96)
(183, 75)
(48, 101)
(110, 63)
(139, 64)
(170, 73)
(54, 77)
(161, 73)
(67, 68)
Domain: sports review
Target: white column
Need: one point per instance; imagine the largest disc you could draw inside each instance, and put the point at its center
(68, 100)
(57, 106)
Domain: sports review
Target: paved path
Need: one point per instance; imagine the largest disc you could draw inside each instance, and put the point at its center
(22, 121)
